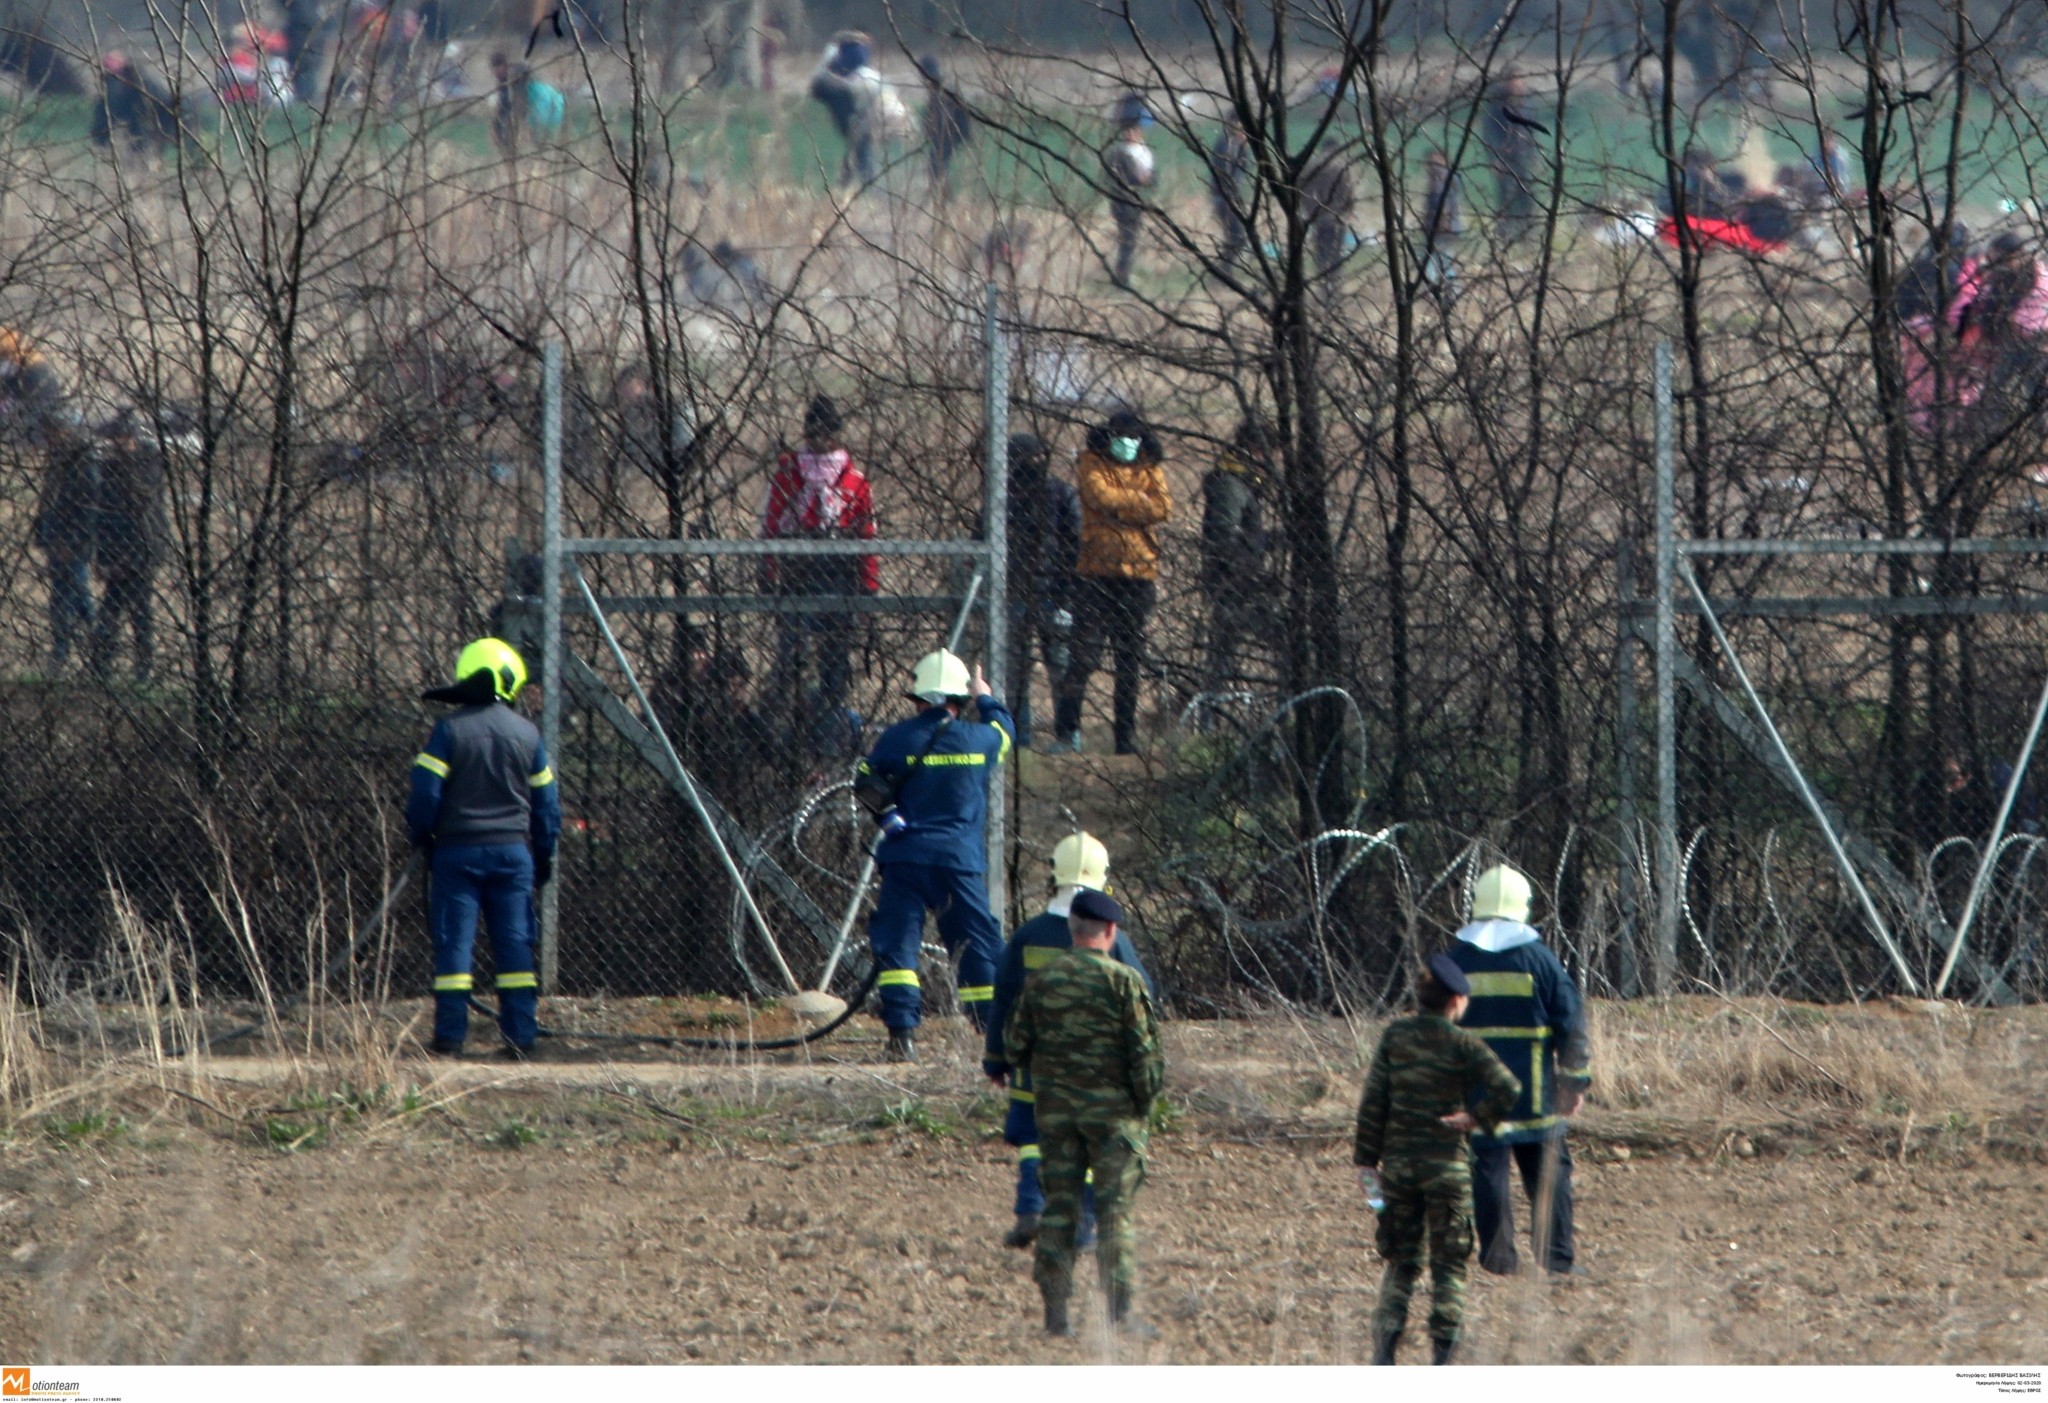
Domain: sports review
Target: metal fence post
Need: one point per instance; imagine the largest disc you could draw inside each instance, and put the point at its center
(551, 622)
(996, 535)
(1667, 686)
(1627, 820)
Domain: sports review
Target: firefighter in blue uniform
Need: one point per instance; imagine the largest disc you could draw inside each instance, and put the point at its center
(927, 784)
(1079, 863)
(1527, 1008)
(485, 811)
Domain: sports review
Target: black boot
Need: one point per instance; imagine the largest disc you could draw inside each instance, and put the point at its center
(1124, 1320)
(1443, 1351)
(1056, 1322)
(1384, 1345)
(902, 1046)
(1066, 723)
(1024, 1233)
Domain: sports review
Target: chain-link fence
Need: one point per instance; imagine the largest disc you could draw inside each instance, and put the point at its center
(273, 450)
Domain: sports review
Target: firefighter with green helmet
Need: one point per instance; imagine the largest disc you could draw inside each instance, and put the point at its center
(485, 811)
(1079, 863)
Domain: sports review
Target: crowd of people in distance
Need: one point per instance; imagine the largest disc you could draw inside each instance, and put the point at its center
(1972, 322)
(99, 513)
(1084, 564)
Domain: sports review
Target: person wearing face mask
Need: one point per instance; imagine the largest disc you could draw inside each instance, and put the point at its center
(1124, 502)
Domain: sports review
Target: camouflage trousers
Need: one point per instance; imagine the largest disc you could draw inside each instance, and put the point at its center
(1070, 1149)
(1428, 1217)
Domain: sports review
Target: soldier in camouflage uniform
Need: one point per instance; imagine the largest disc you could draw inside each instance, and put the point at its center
(1084, 1032)
(1410, 1149)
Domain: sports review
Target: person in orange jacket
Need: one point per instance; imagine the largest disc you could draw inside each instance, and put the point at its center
(1124, 501)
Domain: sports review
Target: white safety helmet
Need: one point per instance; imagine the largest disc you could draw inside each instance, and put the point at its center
(939, 677)
(1080, 860)
(1500, 894)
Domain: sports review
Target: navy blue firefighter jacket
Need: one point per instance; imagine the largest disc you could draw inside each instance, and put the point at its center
(942, 796)
(1526, 1007)
(484, 780)
(1032, 946)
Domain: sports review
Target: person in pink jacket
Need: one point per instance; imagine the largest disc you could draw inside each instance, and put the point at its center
(1997, 319)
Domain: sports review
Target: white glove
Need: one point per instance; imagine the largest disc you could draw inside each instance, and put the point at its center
(1374, 1189)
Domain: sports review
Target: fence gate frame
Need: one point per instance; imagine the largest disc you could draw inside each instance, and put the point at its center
(1651, 623)
(564, 672)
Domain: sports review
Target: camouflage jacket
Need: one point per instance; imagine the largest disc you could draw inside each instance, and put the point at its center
(1085, 1033)
(1426, 1068)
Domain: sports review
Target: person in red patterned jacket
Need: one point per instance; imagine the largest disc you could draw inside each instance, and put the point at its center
(819, 494)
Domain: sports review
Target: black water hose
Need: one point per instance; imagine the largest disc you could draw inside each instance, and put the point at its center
(853, 1006)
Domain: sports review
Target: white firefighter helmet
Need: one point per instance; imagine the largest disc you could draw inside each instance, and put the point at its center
(939, 676)
(1500, 894)
(1080, 860)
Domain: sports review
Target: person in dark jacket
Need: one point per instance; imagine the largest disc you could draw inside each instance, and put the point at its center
(1443, 224)
(33, 403)
(1328, 201)
(303, 25)
(1931, 284)
(66, 529)
(927, 782)
(1132, 169)
(1234, 545)
(1230, 161)
(486, 812)
(1526, 1007)
(135, 104)
(848, 88)
(948, 125)
(1079, 863)
(1045, 542)
(132, 539)
(1511, 141)
(1124, 501)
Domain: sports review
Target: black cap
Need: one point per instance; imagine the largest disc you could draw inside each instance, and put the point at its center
(1092, 905)
(822, 419)
(1446, 972)
(1028, 449)
(1126, 423)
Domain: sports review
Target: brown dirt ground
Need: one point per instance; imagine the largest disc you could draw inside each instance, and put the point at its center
(830, 1209)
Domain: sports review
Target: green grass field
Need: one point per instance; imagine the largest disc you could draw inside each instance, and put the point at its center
(1610, 147)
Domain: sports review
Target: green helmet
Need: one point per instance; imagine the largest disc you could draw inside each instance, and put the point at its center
(498, 658)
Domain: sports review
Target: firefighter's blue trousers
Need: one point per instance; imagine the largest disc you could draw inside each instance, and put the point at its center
(967, 929)
(495, 882)
(1020, 1128)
